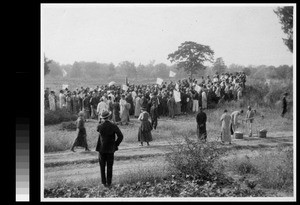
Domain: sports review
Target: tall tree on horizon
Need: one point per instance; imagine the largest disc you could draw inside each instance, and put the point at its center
(285, 15)
(46, 65)
(190, 56)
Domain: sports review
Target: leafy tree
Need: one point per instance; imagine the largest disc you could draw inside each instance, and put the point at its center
(247, 71)
(190, 56)
(46, 65)
(219, 66)
(285, 15)
(76, 71)
(128, 68)
(92, 69)
(111, 70)
(55, 69)
(160, 70)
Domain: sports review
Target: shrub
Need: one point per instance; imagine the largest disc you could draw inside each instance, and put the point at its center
(70, 126)
(245, 166)
(195, 158)
(276, 169)
(58, 116)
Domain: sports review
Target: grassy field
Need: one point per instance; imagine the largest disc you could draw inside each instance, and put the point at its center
(268, 164)
(59, 140)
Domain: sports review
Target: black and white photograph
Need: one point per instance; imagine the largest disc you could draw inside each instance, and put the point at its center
(168, 102)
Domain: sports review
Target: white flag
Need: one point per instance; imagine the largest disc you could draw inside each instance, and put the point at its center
(159, 81)
(172, 74)
(197, 88)
(125, 87)
(64, 72)
(64, 86)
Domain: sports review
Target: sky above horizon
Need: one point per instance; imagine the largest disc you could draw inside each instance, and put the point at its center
(240, 34)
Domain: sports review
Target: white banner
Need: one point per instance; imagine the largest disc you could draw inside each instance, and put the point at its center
(172, 74)
(111, 83)
(177, 96)
(64, 86)
(197, 88)
(159, 81)
(64, 72)
(125, 87)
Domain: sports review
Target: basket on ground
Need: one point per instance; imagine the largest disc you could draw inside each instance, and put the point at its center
(262, 133)
(238, 135)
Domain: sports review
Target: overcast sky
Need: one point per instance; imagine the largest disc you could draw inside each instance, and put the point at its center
(240, 34)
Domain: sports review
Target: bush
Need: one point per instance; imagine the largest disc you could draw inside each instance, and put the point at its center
(245, 166)
(58, 116)
(276, 169)
(195, 159)
(70, 126)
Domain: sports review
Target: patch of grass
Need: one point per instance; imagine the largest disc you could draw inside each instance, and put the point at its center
(274, 169)
(145, 174)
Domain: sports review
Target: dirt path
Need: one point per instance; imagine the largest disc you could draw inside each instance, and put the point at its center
(81, 165)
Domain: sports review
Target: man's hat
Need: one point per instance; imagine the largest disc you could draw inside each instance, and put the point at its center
(105, 114)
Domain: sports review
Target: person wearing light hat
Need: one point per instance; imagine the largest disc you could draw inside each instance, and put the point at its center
(80, 140)
(107, 144)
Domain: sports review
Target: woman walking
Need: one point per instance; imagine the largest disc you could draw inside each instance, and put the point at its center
(80, 140)
(144, 134)
(225, 134)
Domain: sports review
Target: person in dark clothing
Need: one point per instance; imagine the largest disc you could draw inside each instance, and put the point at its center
(154, 110)
(284, 104)
(94, 100)
(106, 146)
(201, 125)
(80, 140)
(184, 102)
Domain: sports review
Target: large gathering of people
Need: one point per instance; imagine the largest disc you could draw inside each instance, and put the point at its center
(158, 99)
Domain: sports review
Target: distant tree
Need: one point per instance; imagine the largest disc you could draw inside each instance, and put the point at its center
(76, 71)
(46, 65)
(92, 69)
(219, 66)
(235, 68)
(160, 70)
(285, 15)
(190, 56)
(111, 70)
(55, 69)
(128, 69)
(247, 71)
(141, 71)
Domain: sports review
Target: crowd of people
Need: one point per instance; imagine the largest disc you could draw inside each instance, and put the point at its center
(159, 100)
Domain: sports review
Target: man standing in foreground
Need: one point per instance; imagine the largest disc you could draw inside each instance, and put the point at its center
(106, 146)
(201, 125)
